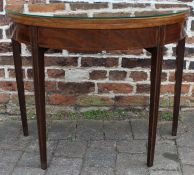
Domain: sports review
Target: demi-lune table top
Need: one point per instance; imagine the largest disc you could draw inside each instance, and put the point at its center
(58, 15)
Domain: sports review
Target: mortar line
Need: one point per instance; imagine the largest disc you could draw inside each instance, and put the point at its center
(53, 153)
(180, 162)
(23, 151)
(84, 157)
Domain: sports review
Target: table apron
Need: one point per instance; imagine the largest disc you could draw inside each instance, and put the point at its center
(98, 39)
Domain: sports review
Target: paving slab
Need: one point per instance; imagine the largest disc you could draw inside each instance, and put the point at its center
(15, 143)
(101, 154)
(31, 160)
(71, 149)
(97, 171)
(186, 155)
(188, 119)
(140, 129)
(188, 169)
(10, 129)
(10, 156)
(131, 164)
(88, 130)
(33, 147)
(28, 171)
(166, 157)
(6, 168)
(62, 130)
(133, 146)
(97, 148)
(162, 172)
(165, 130)
(187, 139)
(64, 166)
(103, 144)
(117, 130)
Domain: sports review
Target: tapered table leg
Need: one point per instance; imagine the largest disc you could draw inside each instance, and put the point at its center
(20, 84)
(156, 68)
(180, 50)
(39, 86)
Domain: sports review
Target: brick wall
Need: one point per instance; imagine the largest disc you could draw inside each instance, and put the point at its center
(83, 81)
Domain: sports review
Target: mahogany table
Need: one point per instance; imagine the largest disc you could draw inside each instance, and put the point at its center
(111, 32)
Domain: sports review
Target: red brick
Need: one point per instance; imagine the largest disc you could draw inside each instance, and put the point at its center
(117, 75)
(46, 7)
(170, 5)
(30, 73)
(143, 88)
(27, 61)
(2, 73)
(29, 86)
(8, 32)
(87, 6)
(59, 99)
(105, 62)
(1, 33)
(56, 73)
(168, 64)
(94, 100)
(131, 100)
(188, 77)
(108, 14)
(4, 98)
(52, 73)
(133, 62)
(189, 52)
(6, 60)
(114, 87)
(133, 5)
(5, 47)
(186, 0)
(17, 2)
(8, 85)
(164, 76)
(50, 86)
(190, 40)
(61, 61)
(172, 76)
(170, 88)
(12, 73)
(76, 88)
(4, 20)
(1, 6)
(127, 52)
(98, 75)
(138, 76)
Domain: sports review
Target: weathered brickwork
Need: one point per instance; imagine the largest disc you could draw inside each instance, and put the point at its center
(107, 80)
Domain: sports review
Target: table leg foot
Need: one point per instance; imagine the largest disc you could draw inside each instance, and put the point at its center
(44, 165)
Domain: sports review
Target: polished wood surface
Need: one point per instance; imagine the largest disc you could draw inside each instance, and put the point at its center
(114, 23)
(39, 86)
(20, 83)
(77, 35)
(156, 70)
(180, 50)
(98, 40)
